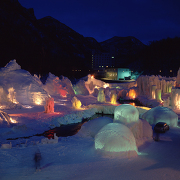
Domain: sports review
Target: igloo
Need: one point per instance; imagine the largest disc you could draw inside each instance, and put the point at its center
(161, 114)
(91, 128)
(116, 138)
(141, 130)
(126, 113)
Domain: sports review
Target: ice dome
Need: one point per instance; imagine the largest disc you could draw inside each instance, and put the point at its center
(116, 137)
(161, 114)
(126, 113)
(91, 128)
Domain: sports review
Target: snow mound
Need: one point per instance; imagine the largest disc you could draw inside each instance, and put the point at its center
(91, 128)
(116, 138)
(141, 130)
(161, 114)
(126, 113)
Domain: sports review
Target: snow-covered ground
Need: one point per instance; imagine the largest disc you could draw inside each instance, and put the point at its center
(75, 157)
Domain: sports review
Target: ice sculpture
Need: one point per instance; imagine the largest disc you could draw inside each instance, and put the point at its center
(161, 114)
(158, 95)
(153, 91)
(80, 88)
(20, 84)
(101, 96)
(116, 138)
(55, 86)
(49, 107)
(178, 79)
(113, 98)
(145, 83)
(126, 113)
(5, 119)
(76, 103)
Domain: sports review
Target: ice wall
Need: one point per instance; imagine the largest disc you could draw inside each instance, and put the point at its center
(146, 83)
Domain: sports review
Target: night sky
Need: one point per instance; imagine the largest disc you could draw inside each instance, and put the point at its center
(147, 20)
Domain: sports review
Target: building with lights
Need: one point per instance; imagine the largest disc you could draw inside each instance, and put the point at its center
(118, 73)
(102, 60)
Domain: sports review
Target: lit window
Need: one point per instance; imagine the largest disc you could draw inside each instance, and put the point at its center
(170, 70)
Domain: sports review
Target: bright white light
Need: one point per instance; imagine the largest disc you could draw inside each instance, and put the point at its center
(37, 98)
(106, 85)
(13, 121)
(27, 106)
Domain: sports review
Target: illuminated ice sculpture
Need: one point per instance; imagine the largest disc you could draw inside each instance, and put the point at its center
(101, 96)
(126, 113)
(116, 138)
(76, 103)
(161, 114)
(49, 107)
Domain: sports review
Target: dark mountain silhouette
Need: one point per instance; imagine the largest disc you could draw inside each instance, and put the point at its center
(159, 58)
(122, 48)
(47, 45)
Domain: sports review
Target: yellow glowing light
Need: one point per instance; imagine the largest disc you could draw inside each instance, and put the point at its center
(143, 107)
(27, 106)
(76, 103)
(13, 121)
(12, 95)
(96, 87)
(106, 85)
(92, 76)
(37, 98)
(132, 94)
(2, 107)
(132, 103)
(177, 101)
(113, 99)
